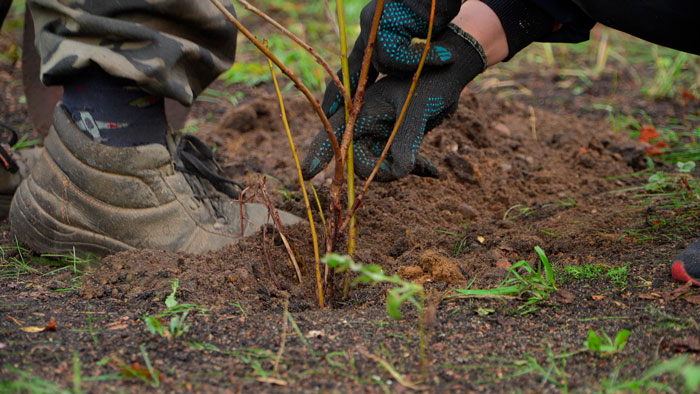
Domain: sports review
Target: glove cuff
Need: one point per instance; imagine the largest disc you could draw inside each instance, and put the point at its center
(445, 10)
(522, 21)
(472, 42)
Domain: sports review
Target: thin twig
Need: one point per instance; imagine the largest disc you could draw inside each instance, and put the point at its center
(268, 261)
(278, 223)
(320, 208)
(533, 123)
(297, 82)
(314, 236)
(304, 45)
(364, 74)
(399, 121)
(350, 127)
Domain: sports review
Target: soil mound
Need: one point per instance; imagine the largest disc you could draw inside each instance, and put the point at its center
(511, 179)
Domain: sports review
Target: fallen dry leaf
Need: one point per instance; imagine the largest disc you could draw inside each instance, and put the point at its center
(648, 133)
(679, 292)
(315, 334)
(32, 329)
(689, 344)
(50, 327)
(688, 96)
(650, 296)
(565, 296)
(598, 297)
(136, 370)
(277, 382)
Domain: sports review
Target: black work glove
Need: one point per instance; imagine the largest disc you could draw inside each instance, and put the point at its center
(436, 96)
(402, 20)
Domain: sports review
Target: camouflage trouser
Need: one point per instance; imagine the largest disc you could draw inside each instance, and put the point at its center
(173, 48)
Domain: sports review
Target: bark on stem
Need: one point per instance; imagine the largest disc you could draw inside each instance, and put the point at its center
(336, 187)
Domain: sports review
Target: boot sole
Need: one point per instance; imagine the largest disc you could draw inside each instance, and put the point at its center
(42, 233)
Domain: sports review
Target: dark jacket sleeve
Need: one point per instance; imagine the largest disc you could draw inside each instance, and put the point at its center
(573, 24)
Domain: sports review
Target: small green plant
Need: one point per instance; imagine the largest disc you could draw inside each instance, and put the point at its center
(373, 274)
(535, 284)
(24, 142)
(681, 367)
(603, 345)
(519, 211)
(618, 276)
(28, 383)
(462, 239)
(177, 313)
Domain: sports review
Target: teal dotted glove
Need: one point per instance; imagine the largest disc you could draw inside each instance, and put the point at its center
(436, 97)
(402, 20)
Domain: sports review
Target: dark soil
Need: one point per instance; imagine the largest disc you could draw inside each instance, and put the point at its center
(506, 187)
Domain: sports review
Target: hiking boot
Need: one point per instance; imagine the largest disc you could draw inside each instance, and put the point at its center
(14, 166)
(102, 199)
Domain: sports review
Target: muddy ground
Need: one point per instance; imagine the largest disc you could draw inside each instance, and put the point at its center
(517, 172)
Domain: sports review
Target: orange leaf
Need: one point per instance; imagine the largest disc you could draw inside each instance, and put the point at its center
(648, 133)
(654, 151)
(688, 95)
(136, 370)
(52, 325)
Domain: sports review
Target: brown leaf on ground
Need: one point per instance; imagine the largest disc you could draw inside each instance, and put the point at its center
(136, 370)
(690, 344)
(273, 381)
(650, 296)
(50, 327)
(673, 295)
(565, 296)
(695, 300)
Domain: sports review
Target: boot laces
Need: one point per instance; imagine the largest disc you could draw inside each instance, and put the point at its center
(195, 160)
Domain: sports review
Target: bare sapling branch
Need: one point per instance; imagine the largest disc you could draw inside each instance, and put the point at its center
(314, 236)
(297, 82)
(334, 76)
(399, 121)
(336, 214)
(352, 236)
(272, 212)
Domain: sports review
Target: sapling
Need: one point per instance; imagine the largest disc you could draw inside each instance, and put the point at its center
(338, 220)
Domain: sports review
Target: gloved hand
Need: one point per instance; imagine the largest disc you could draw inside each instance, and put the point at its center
(402, 20)
(436, 96)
